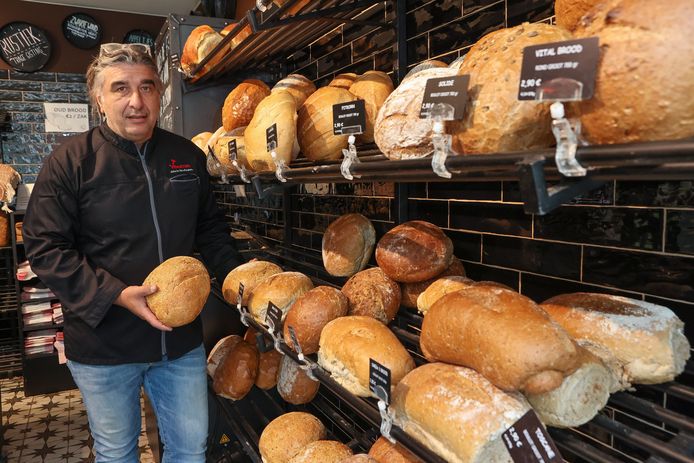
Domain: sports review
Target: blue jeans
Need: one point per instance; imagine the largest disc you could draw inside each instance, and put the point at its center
(177, 390)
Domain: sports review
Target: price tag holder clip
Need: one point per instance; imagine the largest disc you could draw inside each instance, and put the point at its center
(350, 158)
(304, 363)
(349, 118)
(273, 319)
(215, 167)
(379, 384)
(440, 113)
(243, 310)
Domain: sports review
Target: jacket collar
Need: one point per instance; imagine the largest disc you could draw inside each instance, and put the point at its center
(122, 143)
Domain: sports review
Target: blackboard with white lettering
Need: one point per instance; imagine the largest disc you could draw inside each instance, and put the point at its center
(24, 47)
(139, 36)
(527, 441)
(82, 30)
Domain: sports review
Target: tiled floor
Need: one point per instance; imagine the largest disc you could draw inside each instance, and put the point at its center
(49, 428)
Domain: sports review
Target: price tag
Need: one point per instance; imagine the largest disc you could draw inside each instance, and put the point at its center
(271, 137)
(233, 151)
(295, 341)
(273, 317)
(239, 299)
(560, 70)
(349, 118)
(446, 90)
(379, 380)
(527, 441)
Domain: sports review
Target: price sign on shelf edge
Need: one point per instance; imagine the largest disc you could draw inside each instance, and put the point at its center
(349, 118)
(527, 441)
(273, 317)
(271, 137)
(379, 378)
(451, 91)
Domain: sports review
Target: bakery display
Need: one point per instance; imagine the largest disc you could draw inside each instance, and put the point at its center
(347, 344)
(293, 384)
(347, 245)
(646, 339)
(373, 87)
(310, 313)
(240, 103)
(372, 293)
(569, 12)
(250, 274)
(282, 289)
(236, 373)
(276, 445)
(315, 125)
(219, 351)
(411, 291)
(414, 251)
(383, 451)
(183, 285)
(322, 451)
(298, 86)
(501, 334)
(456, 412)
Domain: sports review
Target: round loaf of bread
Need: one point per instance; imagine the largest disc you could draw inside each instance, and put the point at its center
(457, 413)
(347, 245)
(268, 369)
(315, 125)
(200, 140)
(322, 451)
(645, 75)
(310, 313)
(569, 12)
(183, 286)
(241, 102)
(282, 289)
(219, 351)
(414, 251)
(383, 451)
(347, 344)
(411, 291)
(501, 334)
(201, 41)
(495, 120)
(235, 375)
(398, 131)
(371, 293)
(298, 86)
(250, 274)
(344, 80)
(647, 339)
(424, 65)
(276, 445)
(293, 384)
(449, 284)
(373, 87)
(221, 151)
(279, 108)
(359, 458)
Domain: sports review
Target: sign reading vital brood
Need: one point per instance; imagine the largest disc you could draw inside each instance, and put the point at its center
(82, 30)
(24, 47)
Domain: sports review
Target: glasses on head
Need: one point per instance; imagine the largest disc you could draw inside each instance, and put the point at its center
(109, 48)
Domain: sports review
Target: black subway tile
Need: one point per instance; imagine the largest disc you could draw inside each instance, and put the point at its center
(354, 189)
(299, 59)
(374, 13)
(679, 232)
(302, 238)
(385, 61)
(310, 71)
(433, 14)
(609, 226)
(667, 194)
(540, 288)
(327, 43)
(4, 74)
(417, 50)
(315, 222)
(482, 191)
(602, 196)
(302, 203)
(470, 6)
(42, 76)
(384, 189)
(520, 11)
(481, 272)
(556, 259)
(359, 67)
(505, 219)
(373, 42)
(373, 208)
(654, 274)
(412, 4)
(332, 61)
(467, 30)
(435, 212)
(417, 190)
(466, 246)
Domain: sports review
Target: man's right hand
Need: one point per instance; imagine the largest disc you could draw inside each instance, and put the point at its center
(134, 299)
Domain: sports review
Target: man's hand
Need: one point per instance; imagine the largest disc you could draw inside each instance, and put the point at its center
(133, 299)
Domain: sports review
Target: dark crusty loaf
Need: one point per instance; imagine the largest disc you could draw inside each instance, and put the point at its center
(371, 293)
(347, 245)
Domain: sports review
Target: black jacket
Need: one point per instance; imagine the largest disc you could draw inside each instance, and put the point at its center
(99, 221)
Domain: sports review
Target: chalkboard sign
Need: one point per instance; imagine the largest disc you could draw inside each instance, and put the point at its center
(139, 36)
(24, 47)
(82, 31)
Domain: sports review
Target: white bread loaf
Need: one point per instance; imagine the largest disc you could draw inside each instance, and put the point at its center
(645, 77)
(412, 291)
(282, 289)
(240, 103)
(298, 86)
(383, 451)
(647, 339)
(347, 344)
(219, 351)
(201, 41)
(315, 125)
(501, 334)
(347, 244)
(276, 445)
(251, 274)
(373, 87)
(371, 293)
(569, 12)
(457, 413)
(449, 284)
(235, 375)
(293, 384)
(279, 108)
(322, 451)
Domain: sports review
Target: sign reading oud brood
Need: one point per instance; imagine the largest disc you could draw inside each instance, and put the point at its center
(24, 47)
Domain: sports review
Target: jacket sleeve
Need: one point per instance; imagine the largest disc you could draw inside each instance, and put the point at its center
(50, 232)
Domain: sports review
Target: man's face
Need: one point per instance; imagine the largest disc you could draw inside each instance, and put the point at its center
(130, 100)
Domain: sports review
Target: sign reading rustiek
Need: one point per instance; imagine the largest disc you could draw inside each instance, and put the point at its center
(24, 47)
(527, 441)
(559, 70)
(379, 380)
(349, 118)
(271, 137)
(273, 317)
(446, 90)
(66, 117)
(82, 30)
(139, 36)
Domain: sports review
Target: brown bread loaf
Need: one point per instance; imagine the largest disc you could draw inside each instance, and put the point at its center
(383, 451)
(293, 384)
(315, 124)
(371, 293)
(373, 87)
(219, 351)
(201, 41)
(569, 12)
(276, 445)
(282, 289)
(241, 102)
(344, 80)
(411, 291)
(449, 284)
(235, 375)
(298, 86)
(251, 274)
(322, 451)
(347, 244)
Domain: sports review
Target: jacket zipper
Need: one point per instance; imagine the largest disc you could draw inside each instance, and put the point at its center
(141, 154)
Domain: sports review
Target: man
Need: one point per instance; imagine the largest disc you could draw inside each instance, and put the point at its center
(109, 206)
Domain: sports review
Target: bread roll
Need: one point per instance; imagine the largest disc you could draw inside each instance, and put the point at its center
(251, 274)
(200, 140)
(347, 245)
(347, 344)
(298, 86)
(383, 451)
(344, 80)
(322, 451)
(359, 458)
(276, 445)
(414, 251)
(315, 125)
(201, 41)
(398, 131)
(373, 87)
(495, 120)
(282, 289)
(279, 108)
(241, 102)
(293, 384)
(411, 291)
(219, 351)
(501, 334)
(645, 76)
(580, 397)
(569, 12)
(183, 286)
(457, 413)
(236, 374)
(449, 284)
(647, 339)
(371, 293)
(310, 313)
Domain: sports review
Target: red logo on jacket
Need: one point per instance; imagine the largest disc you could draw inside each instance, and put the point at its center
(176, 166)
